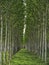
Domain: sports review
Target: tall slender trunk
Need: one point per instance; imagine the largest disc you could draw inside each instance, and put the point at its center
(10, 42)
(1, 38)
(43, 39)
(6, 44)
(45, 45)
(38, 39)
(46, 36)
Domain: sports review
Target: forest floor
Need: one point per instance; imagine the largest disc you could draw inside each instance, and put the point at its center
(24, 57)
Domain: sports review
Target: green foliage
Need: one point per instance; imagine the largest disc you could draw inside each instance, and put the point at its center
(13, 14)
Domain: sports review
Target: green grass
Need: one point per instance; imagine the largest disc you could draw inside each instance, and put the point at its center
(24, 57)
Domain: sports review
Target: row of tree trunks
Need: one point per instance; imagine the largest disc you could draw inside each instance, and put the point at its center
(37, 35)
(6, 41)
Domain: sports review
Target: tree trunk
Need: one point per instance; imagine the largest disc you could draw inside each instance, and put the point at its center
(43, 39)
(1, 39)
(46, 36)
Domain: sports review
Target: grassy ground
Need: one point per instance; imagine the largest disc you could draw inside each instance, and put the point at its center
(23, 57)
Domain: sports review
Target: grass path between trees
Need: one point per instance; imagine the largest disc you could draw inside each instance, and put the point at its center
(24, 57)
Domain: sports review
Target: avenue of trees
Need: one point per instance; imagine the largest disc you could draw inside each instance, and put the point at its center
(11, 28)
(24, 23)
(37, 33)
